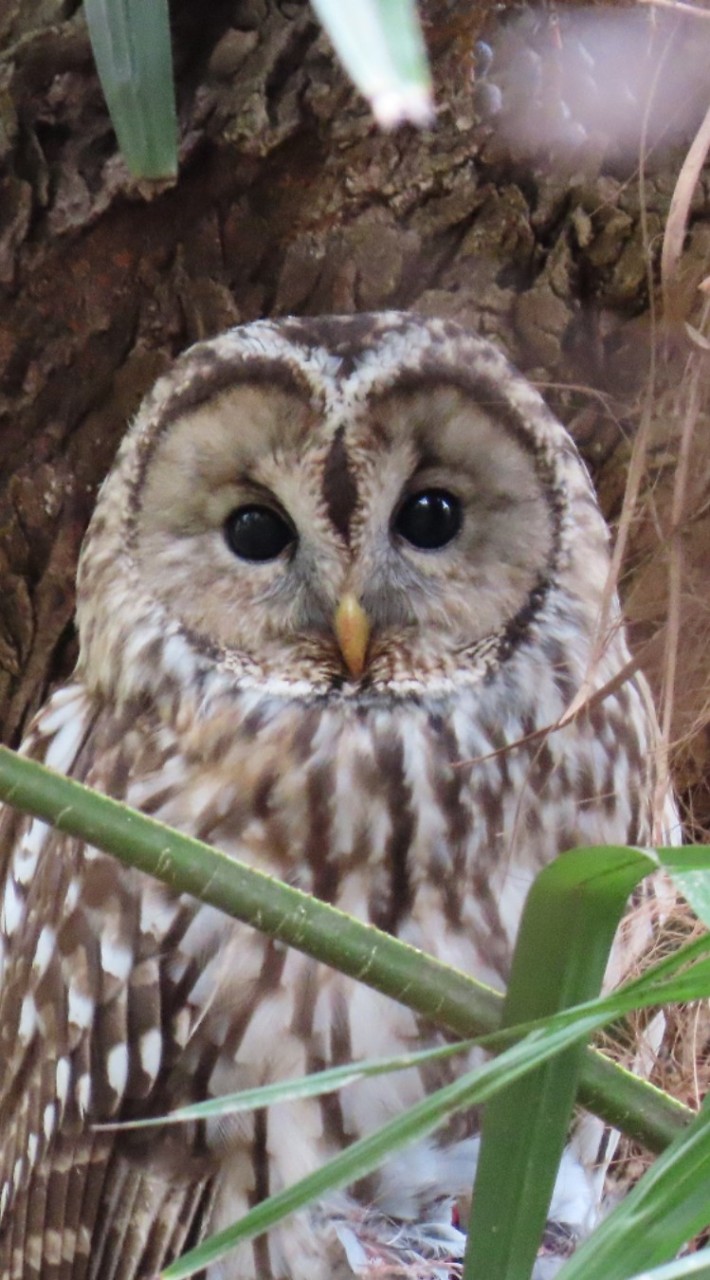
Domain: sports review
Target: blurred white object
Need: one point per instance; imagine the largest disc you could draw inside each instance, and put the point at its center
(599, 78)
(379, 42)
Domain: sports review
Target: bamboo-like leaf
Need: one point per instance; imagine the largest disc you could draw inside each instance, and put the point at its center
(690, 956)
(443, 995)
(668, 1206)
(485, 1082)
(560, 1032)
(380, 45)
(695, 1264)
(694, 884)
(367, 1154)
(689, 985)
(131, 44)
(311, 1086)
(565, 936)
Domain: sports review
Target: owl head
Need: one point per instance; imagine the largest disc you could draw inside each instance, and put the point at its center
(335, 506)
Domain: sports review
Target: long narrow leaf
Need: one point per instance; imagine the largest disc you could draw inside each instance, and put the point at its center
(380, 45)
(363, 1157)
(668, 1206)
(694, 884)
(131, 44)
(311, 1086)
(367, 1154)
(671, 967)
(565, 936)
(690, 985)
(695, 1264)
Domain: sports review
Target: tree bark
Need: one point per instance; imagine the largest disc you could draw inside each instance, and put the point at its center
(290, 201)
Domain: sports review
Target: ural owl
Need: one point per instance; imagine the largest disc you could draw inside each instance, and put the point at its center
(343, 573)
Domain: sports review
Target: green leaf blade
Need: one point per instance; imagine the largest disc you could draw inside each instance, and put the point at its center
(367, 1154)
(568, 925)
(131, 45)
(696, 1265)
(381, 47)
(311, 1086)
(669, 1205)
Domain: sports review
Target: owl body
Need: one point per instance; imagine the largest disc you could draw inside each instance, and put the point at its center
(399, 758)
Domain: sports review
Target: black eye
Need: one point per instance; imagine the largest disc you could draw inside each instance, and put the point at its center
(257, 533)
(429, 519)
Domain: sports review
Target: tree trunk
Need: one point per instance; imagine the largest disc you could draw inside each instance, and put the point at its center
(519, 213)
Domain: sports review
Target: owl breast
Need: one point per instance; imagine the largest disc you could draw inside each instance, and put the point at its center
(415, 815)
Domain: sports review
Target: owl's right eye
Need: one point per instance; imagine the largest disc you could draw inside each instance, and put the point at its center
(257, 533)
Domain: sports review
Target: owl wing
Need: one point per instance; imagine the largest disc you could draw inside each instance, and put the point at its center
(82, 1005)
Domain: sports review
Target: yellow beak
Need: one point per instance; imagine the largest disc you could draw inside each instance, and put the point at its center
(352, 629)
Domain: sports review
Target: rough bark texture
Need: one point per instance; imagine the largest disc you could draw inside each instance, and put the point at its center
(290, 201)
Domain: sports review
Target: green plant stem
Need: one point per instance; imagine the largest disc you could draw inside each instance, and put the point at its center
(441, 994)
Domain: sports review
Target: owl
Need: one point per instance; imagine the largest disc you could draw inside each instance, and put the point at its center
(339, 588)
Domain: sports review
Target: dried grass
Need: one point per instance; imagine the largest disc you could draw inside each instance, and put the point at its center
(664, 532)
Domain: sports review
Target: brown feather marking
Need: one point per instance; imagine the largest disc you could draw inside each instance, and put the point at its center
(397, 793)
(339, 487)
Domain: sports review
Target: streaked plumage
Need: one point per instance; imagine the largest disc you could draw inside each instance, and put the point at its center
(211, 691)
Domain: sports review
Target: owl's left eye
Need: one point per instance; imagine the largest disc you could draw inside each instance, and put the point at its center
(430, 519)
(257, 533)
